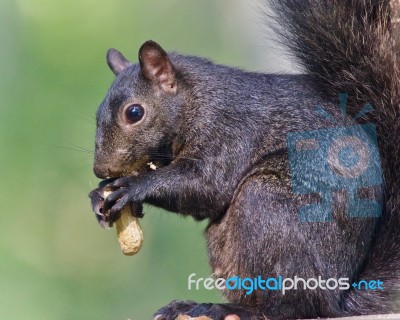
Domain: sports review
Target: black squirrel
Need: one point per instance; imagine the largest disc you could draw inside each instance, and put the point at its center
(218, 137)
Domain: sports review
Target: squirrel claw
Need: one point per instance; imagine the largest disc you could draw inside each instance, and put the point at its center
(122, 182)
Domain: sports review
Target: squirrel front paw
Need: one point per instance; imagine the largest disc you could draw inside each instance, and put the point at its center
(97, 200)
(125, 193)
(107, 210)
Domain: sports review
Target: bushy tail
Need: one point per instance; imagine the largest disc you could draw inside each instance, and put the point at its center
(353, 46)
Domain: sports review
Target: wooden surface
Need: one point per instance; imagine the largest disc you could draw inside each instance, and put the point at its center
(373, 317)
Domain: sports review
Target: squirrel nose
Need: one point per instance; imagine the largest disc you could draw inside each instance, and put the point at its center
(101, 172)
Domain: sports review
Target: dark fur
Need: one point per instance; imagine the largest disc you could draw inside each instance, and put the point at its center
(218, 135)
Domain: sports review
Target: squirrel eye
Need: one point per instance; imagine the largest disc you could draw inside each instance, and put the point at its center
(134, 113)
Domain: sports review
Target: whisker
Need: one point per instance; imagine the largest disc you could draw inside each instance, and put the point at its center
(78, 148)
(123, 151)
(91, 120)
(74, 148)
(167, 156)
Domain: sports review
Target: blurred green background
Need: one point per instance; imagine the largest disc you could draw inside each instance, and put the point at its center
(56, 262)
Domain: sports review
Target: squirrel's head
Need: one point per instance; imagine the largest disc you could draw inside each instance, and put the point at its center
(138, 116)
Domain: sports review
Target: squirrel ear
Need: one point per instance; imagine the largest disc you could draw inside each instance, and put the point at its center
(116, 61)
(156, 66)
